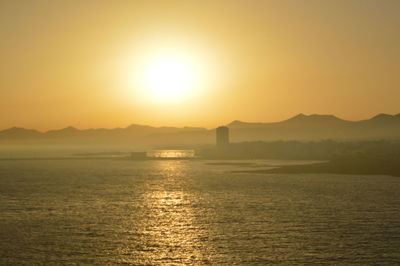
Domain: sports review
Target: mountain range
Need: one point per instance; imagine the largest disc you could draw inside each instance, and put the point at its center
(299, 127)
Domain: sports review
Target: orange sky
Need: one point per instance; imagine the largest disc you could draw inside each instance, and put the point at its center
(69, 62)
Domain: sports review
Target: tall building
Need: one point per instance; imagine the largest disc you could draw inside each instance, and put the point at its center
(222, 136)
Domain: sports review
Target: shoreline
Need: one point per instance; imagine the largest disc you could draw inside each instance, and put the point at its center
(356, 167)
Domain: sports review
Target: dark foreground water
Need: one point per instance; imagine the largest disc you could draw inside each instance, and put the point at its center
(188, 212)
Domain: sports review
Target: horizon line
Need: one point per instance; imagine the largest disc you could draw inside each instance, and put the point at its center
(206, 128)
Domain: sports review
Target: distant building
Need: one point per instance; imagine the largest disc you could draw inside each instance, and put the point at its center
(222, 136)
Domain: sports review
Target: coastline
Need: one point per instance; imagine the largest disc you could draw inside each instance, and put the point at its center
(342, 166)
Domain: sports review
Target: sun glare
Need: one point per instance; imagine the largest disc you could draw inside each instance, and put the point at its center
(165, 74)
(169, 78)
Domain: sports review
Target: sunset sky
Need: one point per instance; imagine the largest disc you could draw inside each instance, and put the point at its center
(195, 63)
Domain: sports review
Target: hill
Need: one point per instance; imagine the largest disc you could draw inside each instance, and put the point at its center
(300, 127)
(318, 127)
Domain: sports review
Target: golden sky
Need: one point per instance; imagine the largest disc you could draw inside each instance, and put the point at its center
(83, 63)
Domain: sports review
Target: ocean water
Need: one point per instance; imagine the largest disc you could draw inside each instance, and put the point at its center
(189, 212)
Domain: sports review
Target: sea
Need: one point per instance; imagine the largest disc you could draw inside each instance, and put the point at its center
(109, 211)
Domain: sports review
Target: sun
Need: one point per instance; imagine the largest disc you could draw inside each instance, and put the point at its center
(169, 78)
(159, 75)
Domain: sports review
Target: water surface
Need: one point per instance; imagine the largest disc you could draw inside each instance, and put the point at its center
(191, 212)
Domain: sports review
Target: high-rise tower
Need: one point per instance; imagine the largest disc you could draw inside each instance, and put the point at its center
(222, 136)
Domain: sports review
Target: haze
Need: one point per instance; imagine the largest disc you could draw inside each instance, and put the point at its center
(77, 62)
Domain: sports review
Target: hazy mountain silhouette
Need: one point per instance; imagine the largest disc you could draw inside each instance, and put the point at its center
(299, 119)
(383, 119)
(299, 127)
(17, 132)
(316, 127)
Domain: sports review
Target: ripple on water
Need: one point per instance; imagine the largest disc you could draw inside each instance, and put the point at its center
(189, 212)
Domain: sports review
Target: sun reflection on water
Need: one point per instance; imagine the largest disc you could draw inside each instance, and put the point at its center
(173, 232)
